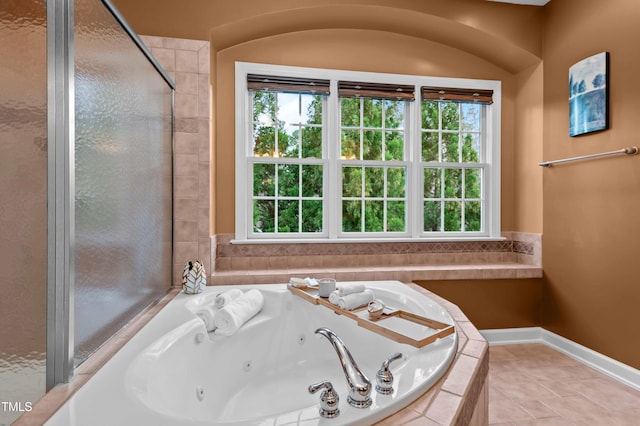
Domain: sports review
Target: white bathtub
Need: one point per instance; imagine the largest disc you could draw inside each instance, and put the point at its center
(175, 373)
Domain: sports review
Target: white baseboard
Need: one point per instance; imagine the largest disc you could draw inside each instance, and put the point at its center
(609, 366)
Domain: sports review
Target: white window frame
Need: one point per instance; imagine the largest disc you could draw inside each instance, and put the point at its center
(490, 158)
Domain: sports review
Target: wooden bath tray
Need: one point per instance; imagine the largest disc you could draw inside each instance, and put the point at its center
(310, 295)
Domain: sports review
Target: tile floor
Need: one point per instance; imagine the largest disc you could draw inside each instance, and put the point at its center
(533, 384)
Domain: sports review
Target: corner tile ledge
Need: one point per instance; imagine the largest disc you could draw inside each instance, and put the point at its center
(457, 398)
(400, 273)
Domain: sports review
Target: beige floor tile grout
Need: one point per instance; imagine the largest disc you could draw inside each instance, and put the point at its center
(532, 384)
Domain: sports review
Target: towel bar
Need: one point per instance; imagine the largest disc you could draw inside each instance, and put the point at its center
(629, 151)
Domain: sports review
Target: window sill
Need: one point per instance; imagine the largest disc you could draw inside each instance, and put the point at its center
(409, 273)
(362, 240)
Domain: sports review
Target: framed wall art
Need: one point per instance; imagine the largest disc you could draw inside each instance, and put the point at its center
(589, 95)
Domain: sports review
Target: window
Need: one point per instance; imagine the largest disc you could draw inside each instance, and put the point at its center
(287, 164)
(328, 155)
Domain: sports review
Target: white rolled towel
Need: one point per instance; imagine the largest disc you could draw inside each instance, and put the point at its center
(355, 300)
(345, 289)
(230, 318)
(207, 314)
(334, 296)
(227, 297)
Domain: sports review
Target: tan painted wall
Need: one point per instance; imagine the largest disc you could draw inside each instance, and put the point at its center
(591, 237)
(494, 304)
(528, 150)
(518, 28)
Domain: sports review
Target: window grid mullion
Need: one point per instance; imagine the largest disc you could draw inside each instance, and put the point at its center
(362, 200)
(384, 193)
(332, 213)
(300, 194)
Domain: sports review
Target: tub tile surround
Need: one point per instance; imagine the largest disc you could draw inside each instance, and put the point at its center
(460, 397)
(187, 61)
(517, 256)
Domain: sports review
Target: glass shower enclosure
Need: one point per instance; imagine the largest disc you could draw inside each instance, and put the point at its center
(86, 124)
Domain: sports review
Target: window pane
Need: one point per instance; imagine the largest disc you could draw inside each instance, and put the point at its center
(394, 114)
(432, 183)
(351, 181)
(458, 125)
(373, 216)
(311, 216)
(312, 181)
(288, 180)
(372, 113)
(395, 216)
(432, 216)
(430, 116)
(395, 182)
(263, 215)
(372, 145)
(288, 215)
(450, 116)
(472, 216)
(288, 108)
(312, 142)
(264, 108)
(311, 109)
(453, 183)
(264, 141)
(470, 116)
(472, 183)
(351, 216)
(374, 182)
(350, 112)
(394, 146)
(452, 216)
(264, 177)
(289, 141)
(471, 148)
(429, 146)
(450, 147)
(350, 144)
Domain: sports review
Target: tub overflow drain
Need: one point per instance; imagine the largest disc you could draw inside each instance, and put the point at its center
(199, 393)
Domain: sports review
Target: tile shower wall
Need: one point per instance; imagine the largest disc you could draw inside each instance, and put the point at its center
(188, 63)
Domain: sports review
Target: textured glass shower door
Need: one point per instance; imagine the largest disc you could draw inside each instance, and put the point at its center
(23, 205)
(123, 179)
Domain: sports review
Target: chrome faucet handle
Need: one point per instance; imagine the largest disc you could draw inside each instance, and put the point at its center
(329, 399)
(384, 377)
(359, 385)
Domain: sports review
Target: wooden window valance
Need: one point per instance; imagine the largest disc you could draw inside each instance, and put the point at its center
(354, 89)
(453, 94)
(270, 83)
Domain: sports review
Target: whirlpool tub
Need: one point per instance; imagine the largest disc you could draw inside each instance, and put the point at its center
(173, 372)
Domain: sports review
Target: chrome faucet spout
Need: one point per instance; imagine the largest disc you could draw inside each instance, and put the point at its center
(359, 384)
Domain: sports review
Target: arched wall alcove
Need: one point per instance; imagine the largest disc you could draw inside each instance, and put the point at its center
(361, 38)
